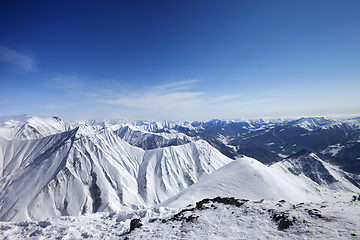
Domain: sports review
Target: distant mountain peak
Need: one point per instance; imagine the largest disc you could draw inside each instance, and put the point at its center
(309, 164)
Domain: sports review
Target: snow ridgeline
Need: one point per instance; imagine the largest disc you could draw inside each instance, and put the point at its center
(90, 170)
(28, 127)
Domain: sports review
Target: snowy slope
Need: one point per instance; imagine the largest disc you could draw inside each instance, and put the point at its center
(311, 167)
(250, 179)
(256, 220)
(48, 170)
(167, 171)
(313, 123)
(265, 140)
(90, 170)
(28, 127)
(148, 126)
(77, 172)
(149, 140)
(252, 220)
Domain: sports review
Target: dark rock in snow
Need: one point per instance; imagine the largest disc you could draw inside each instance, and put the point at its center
(225, 200)
(135, 223)
(283, 220)
(355, 198)
(44, 224)
(315, 212)
(285, 223)
(36, 233)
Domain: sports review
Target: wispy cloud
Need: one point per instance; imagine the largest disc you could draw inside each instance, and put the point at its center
(156, 101)
(172, 100)
(25, 62)
(224, 98)
(178, 86)
(165, 97)
(179, 100)
(66, 82)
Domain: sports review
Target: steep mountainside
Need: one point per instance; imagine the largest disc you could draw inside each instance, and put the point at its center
(167, 171)
(52, 168)
(27, 127)
(247, 178)
(72, 174)
(90, 170)
(309, 165)
(149, 140)
(270, 141)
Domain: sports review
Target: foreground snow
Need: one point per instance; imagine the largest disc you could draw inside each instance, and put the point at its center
(212, 220)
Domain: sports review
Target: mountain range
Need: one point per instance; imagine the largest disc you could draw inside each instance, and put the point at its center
(50, 167)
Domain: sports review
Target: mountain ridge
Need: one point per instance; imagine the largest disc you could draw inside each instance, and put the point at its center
(92, 168)
(94, 171)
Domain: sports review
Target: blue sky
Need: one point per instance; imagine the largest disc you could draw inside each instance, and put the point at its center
(177, 60)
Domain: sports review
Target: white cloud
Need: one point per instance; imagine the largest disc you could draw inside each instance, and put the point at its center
(167, 96)
(179, 85)
(160, 101)
(25, 62)
(180, 100)
(175, 100)
(66, 82)
(225, 98)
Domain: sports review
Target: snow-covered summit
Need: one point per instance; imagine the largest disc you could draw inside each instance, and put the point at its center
(250, 179)
(51, 168)
(29, 127)
(91, 169)
(310, 166)
(311, 123)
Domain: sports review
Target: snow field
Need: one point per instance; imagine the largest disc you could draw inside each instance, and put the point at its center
(253, 220)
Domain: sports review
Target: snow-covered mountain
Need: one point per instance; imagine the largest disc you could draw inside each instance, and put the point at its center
(167, 171)
(90, 170)
(248, 178)
(312, 124)
(269, 141)
(310, 166)
(149, 140)
(51, 168)
(64, 174)
(28, 127)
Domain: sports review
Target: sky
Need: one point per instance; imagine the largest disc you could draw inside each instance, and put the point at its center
(180, 60)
